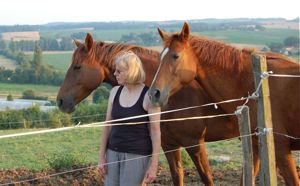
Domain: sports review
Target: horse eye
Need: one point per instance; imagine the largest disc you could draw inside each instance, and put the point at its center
(77, 67)
(175, 56)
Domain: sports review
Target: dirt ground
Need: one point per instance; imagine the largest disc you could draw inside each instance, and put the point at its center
(92, 177)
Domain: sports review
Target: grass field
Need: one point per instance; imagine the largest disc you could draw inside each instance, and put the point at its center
(250, 37)
(60, 60)
(232, 36)
(7, 63)
(34, 151)
(16, 90)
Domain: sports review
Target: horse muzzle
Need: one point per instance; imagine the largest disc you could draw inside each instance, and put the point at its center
(157, 97)
(66, 105)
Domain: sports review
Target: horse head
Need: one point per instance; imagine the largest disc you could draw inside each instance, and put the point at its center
(83, 76)
(178, 66)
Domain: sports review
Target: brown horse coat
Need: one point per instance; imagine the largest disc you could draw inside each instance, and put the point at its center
(225, 73)
(93, 63)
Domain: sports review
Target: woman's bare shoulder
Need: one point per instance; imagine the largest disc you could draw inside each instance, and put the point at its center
(113, 92)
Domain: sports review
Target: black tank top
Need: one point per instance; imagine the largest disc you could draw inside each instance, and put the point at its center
(133, 139)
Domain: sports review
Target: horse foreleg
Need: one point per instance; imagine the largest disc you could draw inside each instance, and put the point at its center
(256, 159)
(199, 157)
(286, 164)
(174, 160)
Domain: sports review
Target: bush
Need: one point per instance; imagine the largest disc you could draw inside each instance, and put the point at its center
(58, 119)
(89, 113)
(65, 160)
(33, 117)
(101, 94)
(9, 97)
(291, 41)
(275, 47)
(28, 94)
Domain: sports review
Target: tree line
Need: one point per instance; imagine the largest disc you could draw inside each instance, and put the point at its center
(29, 71)
(33, 117)
(289, 42)
(46, 44)
(201, 23)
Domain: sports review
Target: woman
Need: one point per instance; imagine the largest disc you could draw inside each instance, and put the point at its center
(141, 142)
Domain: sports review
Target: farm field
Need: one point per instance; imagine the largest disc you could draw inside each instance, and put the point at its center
(16, 90)
(32, 151)
(59, 60)
(7, 63)
(29, 156)
(250, 37)
(32, 155)
(233, 36)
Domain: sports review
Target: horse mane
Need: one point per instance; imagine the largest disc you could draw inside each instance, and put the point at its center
(107, 52)
(212, 52)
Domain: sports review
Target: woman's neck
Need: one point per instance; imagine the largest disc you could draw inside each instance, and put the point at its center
(133, 87)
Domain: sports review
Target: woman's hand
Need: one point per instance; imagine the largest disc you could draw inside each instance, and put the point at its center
(102, 165)
(150, 174)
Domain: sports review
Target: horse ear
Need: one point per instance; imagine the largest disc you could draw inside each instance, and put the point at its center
(89, 41)
(185, 32)
(77, 42)
(162, 34)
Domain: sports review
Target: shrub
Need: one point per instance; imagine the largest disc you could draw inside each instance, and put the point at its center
(28, 94)
(65, 160)
(9, 97)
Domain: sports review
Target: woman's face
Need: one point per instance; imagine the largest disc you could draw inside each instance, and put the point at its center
(121, 74)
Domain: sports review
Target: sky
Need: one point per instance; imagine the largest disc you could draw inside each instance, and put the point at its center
(31, 12)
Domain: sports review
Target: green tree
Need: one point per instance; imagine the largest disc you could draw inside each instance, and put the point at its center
(259, 27)
(12, 46)
(37, 57)
(102, 93)
(9, 97)
(291, 41)
(276, 47)
(2, 45)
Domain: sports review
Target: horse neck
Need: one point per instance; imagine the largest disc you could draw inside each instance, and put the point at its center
(150, 66)
(222, 80)
(107, 52)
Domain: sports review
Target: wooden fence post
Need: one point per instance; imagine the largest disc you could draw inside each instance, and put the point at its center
(268, 175)
(244, 126)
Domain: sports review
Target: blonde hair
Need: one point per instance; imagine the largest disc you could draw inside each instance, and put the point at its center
(132, 63)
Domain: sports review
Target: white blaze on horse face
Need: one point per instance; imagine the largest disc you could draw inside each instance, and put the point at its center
(165, 51)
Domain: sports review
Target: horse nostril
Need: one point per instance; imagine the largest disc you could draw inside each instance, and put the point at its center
(59, 102)
(157, 94)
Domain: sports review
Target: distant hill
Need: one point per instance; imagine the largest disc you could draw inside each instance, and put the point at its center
(18, 36)
(137, 24)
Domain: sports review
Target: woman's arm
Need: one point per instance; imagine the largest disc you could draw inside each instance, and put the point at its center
(106, 133)
(156, 140)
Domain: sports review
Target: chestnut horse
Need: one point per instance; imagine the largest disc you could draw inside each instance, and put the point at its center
(225, 72)
(93, 63)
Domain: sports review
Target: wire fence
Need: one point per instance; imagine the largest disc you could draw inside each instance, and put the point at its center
(115, 122)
